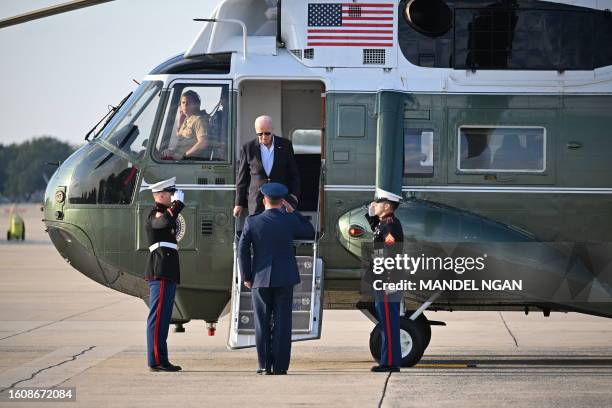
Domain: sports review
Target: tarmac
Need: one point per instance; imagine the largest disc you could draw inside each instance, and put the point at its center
(60, 329)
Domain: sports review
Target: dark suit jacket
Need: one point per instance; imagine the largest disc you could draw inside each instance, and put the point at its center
(251, 174)
(271, 234)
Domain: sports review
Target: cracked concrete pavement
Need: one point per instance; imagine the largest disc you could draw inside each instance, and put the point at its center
(58, 328)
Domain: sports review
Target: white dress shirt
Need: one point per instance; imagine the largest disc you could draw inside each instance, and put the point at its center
(267, 157)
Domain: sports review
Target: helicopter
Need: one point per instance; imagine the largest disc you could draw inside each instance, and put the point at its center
(491, 118)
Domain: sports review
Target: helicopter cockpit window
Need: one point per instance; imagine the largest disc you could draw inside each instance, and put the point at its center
(418, 152)
(502, 149)
(102, 177)
(195, 127)
(131, 128)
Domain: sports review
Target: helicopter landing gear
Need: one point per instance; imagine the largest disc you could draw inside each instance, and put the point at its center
(424, 326)
(415, 335)
(414, 339)
(178, 325)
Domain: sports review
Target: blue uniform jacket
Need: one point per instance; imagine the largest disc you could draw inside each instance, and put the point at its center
(271, 234)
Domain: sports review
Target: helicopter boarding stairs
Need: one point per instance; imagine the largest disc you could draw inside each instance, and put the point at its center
(307, 311)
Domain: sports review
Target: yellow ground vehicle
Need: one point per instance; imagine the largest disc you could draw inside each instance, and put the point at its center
(16, 226)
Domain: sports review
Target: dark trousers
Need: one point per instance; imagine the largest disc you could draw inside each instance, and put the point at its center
(161, 300)
(272, 308)
(389, 319)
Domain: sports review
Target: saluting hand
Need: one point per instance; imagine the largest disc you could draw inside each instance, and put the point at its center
(178, 196)
(288, 206)
(371, 209)
(248, 284)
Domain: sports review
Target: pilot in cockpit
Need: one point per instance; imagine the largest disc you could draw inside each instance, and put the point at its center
(191, 131)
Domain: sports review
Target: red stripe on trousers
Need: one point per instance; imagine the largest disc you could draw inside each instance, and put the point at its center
(160, 302)
(389, 339)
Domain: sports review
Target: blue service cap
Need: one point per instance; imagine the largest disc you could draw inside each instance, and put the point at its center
(275, 191)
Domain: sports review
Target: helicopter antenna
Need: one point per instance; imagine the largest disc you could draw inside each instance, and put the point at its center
(279, 39)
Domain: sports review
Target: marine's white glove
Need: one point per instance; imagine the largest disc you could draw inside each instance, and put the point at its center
(178, 196)
(371, 211)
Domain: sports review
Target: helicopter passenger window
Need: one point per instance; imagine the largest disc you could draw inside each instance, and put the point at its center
(502, 149)
(418, 152)
(131, 128)
(195, 127)
(510, 35)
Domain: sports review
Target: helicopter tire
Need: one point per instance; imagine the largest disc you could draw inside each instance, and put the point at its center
(426, 327)
(23, 234)
(412, 338)
(8, 235)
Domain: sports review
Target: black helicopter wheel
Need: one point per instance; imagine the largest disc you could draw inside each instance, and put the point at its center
(412, 339)
(426, 327)
(23, 234)
(8, 235)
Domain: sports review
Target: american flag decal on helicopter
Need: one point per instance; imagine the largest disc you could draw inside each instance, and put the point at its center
(350, 24)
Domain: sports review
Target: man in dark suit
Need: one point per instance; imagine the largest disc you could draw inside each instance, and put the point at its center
(272, 273)
(268, 158)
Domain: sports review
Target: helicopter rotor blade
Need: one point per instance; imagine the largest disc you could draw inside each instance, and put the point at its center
(49, 11)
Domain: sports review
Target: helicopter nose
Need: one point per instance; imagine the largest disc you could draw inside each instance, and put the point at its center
(75, 247)
(62, 223)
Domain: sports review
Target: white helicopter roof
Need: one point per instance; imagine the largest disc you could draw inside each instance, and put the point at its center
(359, 61)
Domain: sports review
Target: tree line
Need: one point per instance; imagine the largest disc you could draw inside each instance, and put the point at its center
(24, 168)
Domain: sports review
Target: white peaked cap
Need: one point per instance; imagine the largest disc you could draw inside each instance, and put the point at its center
(387, 195)
(162, 185)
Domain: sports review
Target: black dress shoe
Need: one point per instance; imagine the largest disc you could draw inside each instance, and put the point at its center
(263, 371)
(283, 372)
(385, 369)
(166, 367)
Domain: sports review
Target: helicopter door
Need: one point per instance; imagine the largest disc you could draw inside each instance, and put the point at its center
(307, 296)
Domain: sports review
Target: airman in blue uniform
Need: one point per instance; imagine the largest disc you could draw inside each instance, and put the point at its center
(272, 273)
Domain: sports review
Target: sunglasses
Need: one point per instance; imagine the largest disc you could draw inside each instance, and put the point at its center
(264, 133)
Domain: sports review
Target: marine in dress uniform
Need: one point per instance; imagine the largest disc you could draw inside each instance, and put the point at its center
(387, 233)
(162, 272)
(272, 273)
